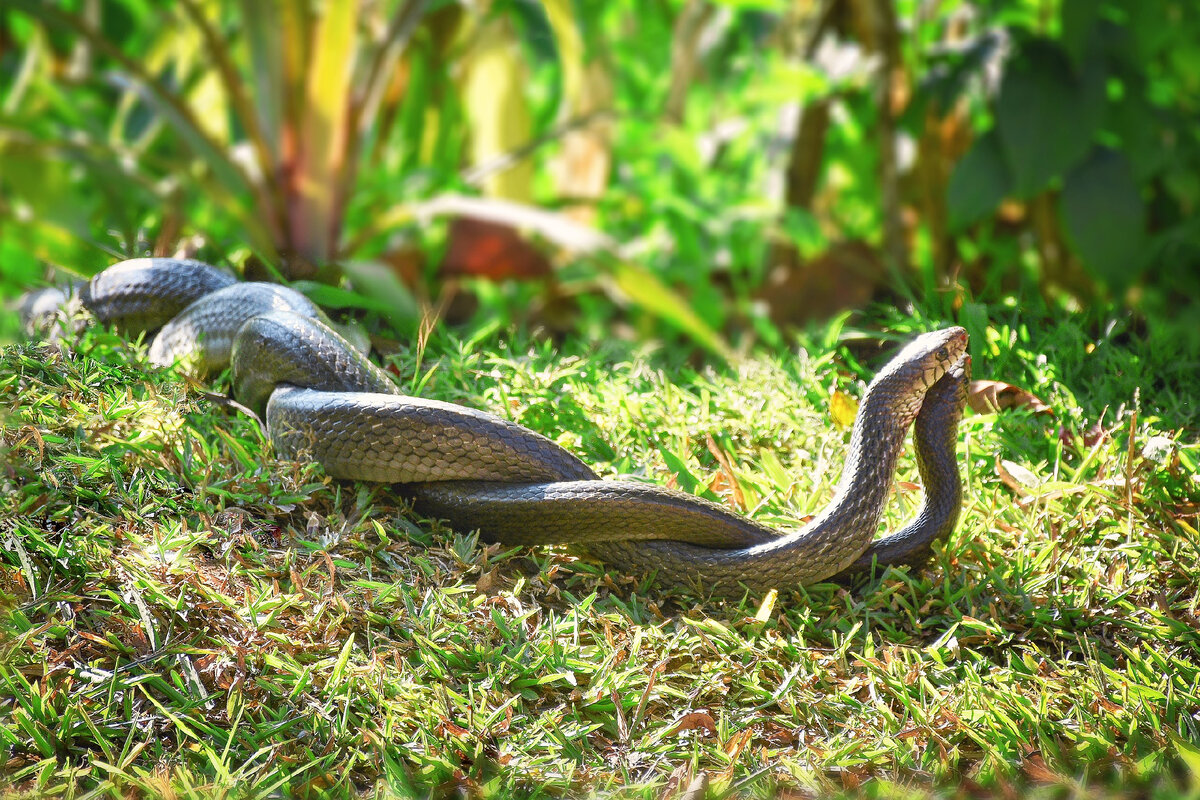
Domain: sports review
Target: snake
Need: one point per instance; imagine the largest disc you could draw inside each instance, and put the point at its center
(324, 400)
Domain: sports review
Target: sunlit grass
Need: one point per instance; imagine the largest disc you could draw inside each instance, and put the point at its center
(183, 614)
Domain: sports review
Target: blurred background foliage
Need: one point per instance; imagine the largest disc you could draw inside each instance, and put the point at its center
(712, 174)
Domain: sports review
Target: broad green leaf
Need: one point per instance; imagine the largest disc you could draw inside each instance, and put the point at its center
(686, 481)
(383, 67)
(323, 135)
(34, 56)
(328, 296)
(1047, 115)
(1105, 217)
(647, 291)
(262, 33)
(1078, 23)
(979, 182)
(375, 279)
(569, 43)
(1189, 753)
(494, 95)
(416, 104)
(173, 107)
(225, 85)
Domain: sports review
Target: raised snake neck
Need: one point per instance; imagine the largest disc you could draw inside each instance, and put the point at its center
(326, 401)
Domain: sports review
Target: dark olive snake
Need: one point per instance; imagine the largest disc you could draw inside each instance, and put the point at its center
(326, 401)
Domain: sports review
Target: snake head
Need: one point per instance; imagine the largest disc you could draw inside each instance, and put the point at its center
(925, 359)
(902, 383)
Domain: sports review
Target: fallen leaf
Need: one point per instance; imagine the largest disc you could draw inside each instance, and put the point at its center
(486, 249)
(447, 727)
(680, 775)
(725, 479)
(799, 290)
(693, 720)
(697, 789)
(1020, 479)
(1036, 769)
(988, 397)
(842, 409)
(489, 582)
(768, 606)
(737, 743)
(853, 777)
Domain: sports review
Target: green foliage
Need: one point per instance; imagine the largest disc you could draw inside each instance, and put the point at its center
(1046, 116)
(1104, 215)
(979, 183)
(1102, 113)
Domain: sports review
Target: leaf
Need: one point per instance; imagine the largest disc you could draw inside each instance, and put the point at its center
(842, 409)
(234, 86)
(645, 289)
(1078, 22)
(1016, 477)
(560, 14)
(263, 33)
(684, 478)
(979, 182)
(1105, 218)
(726, 479)
(556, 228)
(494, 95)
(1047, 115)
(383, 67)
(315, 226)
(988, 397)
(491, 250)
(629, 280)
(328, 296)
(1188, 752)
(375, 279)
(692, 721)
(767, 607)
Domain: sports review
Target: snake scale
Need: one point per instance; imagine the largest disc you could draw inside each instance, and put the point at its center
(322, 399)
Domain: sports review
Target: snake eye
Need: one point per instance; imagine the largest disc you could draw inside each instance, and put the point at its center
(942, 354)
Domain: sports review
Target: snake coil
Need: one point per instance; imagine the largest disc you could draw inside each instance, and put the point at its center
(325, 400)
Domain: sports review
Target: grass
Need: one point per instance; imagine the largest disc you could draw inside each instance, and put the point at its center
(185, 616)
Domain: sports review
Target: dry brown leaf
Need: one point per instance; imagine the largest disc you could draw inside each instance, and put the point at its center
(799, 290)
(1036, 769)
(737, 743)
(988, 397)
(697, 789)
(681, 775)
(693, 720)
(725, 479)
(448, 727)
(853, 777)
(1020, 479)
(486, 249)
(489, 582)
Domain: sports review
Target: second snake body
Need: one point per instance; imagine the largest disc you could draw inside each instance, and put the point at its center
(326, 401)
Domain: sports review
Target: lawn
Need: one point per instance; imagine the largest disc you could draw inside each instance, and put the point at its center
(185, 616)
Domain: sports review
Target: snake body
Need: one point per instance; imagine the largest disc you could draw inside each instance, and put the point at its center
(325, 400)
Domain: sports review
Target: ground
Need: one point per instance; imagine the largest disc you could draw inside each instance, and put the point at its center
(185, 615)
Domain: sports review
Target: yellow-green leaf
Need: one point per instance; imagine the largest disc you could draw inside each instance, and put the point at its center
(646, 290)
(494, 95)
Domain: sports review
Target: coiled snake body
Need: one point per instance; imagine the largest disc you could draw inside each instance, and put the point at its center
(324, 400)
